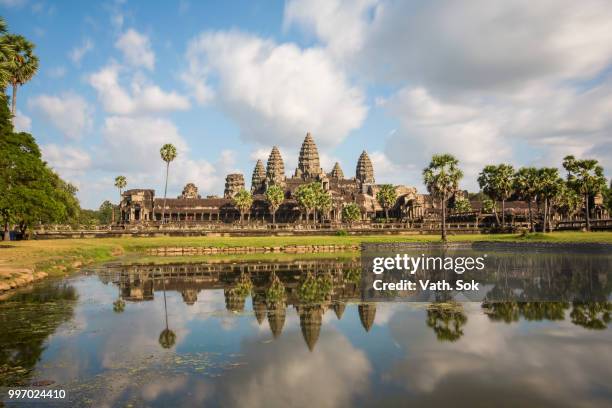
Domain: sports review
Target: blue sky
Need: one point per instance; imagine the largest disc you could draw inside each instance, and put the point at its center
(487, 81)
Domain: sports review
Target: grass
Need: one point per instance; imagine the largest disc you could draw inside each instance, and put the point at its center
(58, 257)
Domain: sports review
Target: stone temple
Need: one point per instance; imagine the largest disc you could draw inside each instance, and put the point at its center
(141, 205)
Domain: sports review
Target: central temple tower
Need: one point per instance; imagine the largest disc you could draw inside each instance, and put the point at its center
(309, 165)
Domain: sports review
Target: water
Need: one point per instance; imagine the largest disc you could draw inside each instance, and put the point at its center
(224, 338)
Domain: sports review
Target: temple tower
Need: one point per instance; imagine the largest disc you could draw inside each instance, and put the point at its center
(308, 163)
(233, 184)
(311, 319)
(367, 313)
(337, 172)
(276, 318)
(365, 171)
(275, 171)
(190, 191)
(258, 180)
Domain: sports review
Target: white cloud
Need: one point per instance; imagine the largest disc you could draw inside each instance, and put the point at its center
(276, 92)
(57, 72)
(77, 53)
(68, 112)
(143, 98)
(68, 161)
(136, 49)
(22, 122)
(131, 147)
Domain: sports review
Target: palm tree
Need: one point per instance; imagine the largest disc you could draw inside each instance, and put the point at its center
(306, 198)
(386, 197)
(243, 200)
(497, 182)
(24, 64)
(442, 180)
(324, 204)
(549, 186)
(168, 154)
(275, 197)
(120, 183)
(525, 185)
(6, 56)
(586, 178)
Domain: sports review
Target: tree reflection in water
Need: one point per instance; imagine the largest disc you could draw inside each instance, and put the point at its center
(314, 287)
(167, 338)
(26, 320)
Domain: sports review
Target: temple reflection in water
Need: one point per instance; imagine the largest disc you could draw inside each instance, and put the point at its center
(314, 287)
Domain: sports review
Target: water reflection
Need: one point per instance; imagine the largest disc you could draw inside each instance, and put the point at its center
(297, 333)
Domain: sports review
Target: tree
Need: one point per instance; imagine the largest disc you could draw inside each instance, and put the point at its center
(568, 201)
(525, 186)
(488, 206)
(105, 212)
(351, 213)
(306, 197)
(275, 197)
(6, 56)
(243, 200)
(586, 178)
(323, 202)
(120, 183)
(549, 187)
(462, 205)
(442, 180)
(24, 64)
(168, 154)
(386, 197)
(497, 182)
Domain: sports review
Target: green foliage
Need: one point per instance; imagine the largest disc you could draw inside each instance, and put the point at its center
(341, 233)
(526, 183)
(386, 197)
(442, 176)
(307, 195)
(315, 289)
(462, 205)
(276, 292)
(120, 183)
(488, 206)
(275, 197)
(168, 152)
(585, 176)
(497, 181)
(105, 213)
(167, 338)
(351, 213)
(22, 63)
(243, 200)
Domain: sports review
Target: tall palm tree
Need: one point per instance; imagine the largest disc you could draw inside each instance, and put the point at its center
(386, 197)
(586, 177)
(549, 187)
(243, 200)
(275, 197)
(24, 66)
(525, 185)
(497, 182)
(168, 154)
(120, 183)
(442, 180)
(6, 56)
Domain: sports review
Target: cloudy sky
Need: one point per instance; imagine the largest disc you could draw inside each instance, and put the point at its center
(489, 81)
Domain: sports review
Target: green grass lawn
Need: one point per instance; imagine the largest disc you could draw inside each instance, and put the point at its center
(62, 255)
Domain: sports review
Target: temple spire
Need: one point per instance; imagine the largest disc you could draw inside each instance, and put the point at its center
(309, 165)
(258, 180)
(337, 172)
(365, 170)
(275, 171)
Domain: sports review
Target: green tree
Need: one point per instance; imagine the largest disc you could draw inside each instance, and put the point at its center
(568, 201)
(275, 197)
(323, 202)
(386, 197)
(586, 178)
(6, 56)
(462, 205)
(24, 64)
(243, 200)
(549, 187)
(488, 206)
(168, 154)
(120, 183)
(105, 212)
(351, 213)
(497, 182)
(525, 186)
(306, 197)
(442, 180)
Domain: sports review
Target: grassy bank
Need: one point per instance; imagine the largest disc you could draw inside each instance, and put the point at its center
(58, 257)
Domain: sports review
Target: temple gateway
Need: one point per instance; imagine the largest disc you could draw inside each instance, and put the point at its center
(141, 205)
